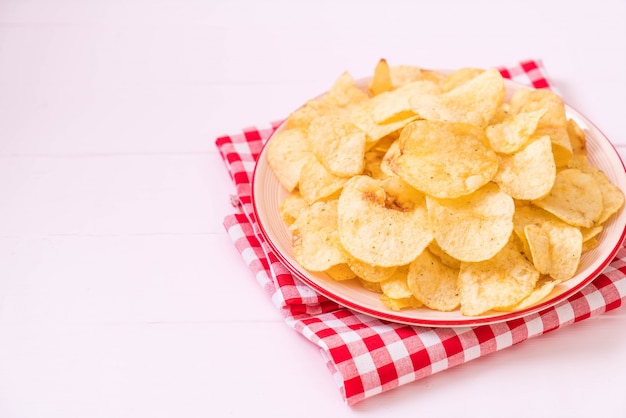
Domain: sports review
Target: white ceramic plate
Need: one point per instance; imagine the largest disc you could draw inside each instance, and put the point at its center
(267, 194)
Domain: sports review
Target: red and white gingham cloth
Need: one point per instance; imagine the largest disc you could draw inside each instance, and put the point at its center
(368, 356)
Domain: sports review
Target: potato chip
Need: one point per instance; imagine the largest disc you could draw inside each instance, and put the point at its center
(345, 93)
(381, 80)
(590, 233)
(315, 238)
(519, 245)
(375, 155)
(511, 134)
(561, 145)
(396, 294)
(383, 144)
(543, 289)
(396, 287)
(578, 142)
(370, 273)
(405, 74)
(311, 110)
(528, 173)
(388, 164)
(291, 206)
(503, 112)
(445, 159)
(590, 244)
(363, 117)
(373, 162)
(546, 101)
(382, 222)
(443, 256)
(398, 304)
(317, 183)
(459, 77)
(496, 283)
(474, 102)
(526, 215)
(575, 197)
(338, 145)
(474, 227)
(340, 272)
(556, 248)
(394, 105)
(371, 286)
(612, 196)
(433, 283)
(553, 122)
(287, 153)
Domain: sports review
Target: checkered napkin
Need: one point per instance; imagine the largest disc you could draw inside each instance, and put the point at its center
(368, 356)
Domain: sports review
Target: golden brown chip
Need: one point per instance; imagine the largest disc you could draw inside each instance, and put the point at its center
(561, 145)
(578, 142)
(590, 244)
(388, 164)
(444, 257)
(543, 289)
(590, 233)
(382, 222)
(317, 183)
(612, 196)
(381, 80)
(530, 100)
(474, 102)
(405, 74)
(396, 294)
(474, 227)
(503, 112)
(373, 162)
(526, 215)
(369, 272)
(576, 198)
(345, 93)
(374, 158)
(287, 152)
(343, 96)
(340, 272)
(433, 283)
(511, 134)
(338, 145)
(396, 287)
(528, 173)
(459, 77)
(556, 248)
(497, 283)
(553, 122)
(398, 304)
(394, 105)
(383, 144)
(291, 206)
(371, 286)
(311, 110)
(445, 159)
(519, 244)
(363, 117)
(315, 239)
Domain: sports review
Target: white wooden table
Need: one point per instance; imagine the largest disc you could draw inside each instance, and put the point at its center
(120, 293)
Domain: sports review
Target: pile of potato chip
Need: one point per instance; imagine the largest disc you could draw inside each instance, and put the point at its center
(433, 190)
